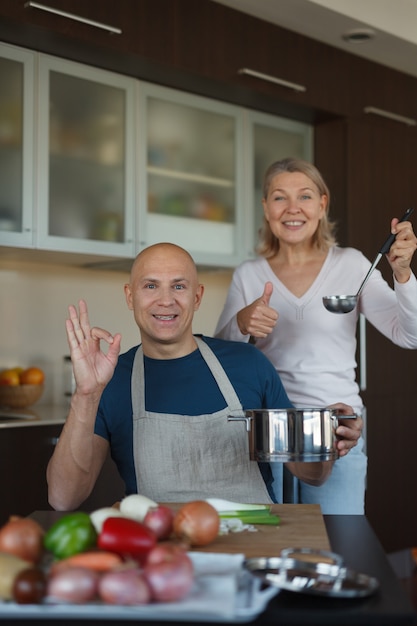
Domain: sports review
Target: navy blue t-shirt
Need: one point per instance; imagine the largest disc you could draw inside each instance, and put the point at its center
(171, 387)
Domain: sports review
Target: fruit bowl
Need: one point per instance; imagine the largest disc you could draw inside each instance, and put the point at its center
(19, 396)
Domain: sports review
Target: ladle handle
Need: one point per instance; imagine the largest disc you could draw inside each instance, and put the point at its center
(387, 245)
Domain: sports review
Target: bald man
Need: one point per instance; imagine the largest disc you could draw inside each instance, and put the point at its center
(162, 406)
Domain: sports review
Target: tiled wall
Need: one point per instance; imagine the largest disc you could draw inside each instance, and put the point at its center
(33, 309)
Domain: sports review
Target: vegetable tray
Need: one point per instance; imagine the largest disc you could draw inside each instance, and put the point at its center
(238, 601)
(223, 591)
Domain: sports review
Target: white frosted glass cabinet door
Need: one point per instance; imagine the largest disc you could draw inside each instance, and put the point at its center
(272, 139)
(16, 144)
(189, 189)
(86, 156)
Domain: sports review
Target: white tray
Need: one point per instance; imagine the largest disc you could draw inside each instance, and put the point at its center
(223, 592)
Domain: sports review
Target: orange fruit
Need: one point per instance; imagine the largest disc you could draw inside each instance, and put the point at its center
(9, 377)
(32, 376)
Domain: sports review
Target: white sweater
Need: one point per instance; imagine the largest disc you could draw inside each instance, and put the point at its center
(312, 349)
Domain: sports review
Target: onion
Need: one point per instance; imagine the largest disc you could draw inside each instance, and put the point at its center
(29, 586)
(124, 587)
(197, 522)
(22, 537)
(99, 516)
(136, 506)
(160, 520)
(169, 572)
(75, 585)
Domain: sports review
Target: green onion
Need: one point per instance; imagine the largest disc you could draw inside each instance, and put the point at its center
(226, 505)
(247, 513)
(260, 516)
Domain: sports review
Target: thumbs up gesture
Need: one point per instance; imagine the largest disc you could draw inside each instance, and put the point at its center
(258, 319)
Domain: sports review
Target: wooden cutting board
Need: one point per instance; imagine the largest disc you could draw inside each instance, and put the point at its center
(302, 526)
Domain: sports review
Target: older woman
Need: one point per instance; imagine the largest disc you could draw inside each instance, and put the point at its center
(277, 299)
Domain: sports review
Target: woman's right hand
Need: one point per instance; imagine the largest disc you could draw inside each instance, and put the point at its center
(258, 319)
(93, 368)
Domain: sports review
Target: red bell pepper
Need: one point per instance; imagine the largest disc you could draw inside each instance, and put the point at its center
(126, 537)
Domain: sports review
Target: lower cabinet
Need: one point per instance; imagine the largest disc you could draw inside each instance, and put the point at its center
(24, 456)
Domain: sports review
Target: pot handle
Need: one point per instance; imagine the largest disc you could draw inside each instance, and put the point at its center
(241, 418)
(345, 417)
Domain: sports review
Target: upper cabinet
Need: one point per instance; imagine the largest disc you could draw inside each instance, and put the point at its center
(270, 139)
(190, 187)
(85, 159)
(16, 146)
(120, 164)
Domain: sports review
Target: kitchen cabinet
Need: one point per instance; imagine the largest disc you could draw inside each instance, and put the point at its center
(122, 164)
(202, 47)
(205, 160)
(269, 139)
(85, 159)
(16, 145)
(382, 190)
(378, 159)
(24, 456)
(191, 186)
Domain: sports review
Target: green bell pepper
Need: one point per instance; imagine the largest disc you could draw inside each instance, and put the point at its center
(71, 534)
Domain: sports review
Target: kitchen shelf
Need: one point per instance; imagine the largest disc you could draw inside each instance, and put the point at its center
(188, 176)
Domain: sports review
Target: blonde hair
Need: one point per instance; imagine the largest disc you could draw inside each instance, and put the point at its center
(324, 237)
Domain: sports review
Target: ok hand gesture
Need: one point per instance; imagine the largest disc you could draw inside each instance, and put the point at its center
(92, 367)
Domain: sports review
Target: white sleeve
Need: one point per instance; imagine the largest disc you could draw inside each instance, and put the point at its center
(393, 312)
(407, 310)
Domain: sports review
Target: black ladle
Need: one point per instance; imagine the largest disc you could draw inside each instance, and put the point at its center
(346, 304)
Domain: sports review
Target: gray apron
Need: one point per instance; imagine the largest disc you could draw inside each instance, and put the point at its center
(192, 457)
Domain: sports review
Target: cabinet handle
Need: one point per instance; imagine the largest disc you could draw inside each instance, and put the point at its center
(392, 116)
(272, 79)
(72, 16)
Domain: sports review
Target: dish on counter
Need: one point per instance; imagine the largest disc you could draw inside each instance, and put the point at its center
(314, 572)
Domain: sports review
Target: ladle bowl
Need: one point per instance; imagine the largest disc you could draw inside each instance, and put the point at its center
(340, 304)
(346, 304)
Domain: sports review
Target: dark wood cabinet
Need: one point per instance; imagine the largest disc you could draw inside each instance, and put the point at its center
(201, 46)
(382, 185)
(24, 455)
(370, 165)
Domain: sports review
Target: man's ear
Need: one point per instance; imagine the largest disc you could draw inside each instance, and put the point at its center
(128, 296)
(198, 297)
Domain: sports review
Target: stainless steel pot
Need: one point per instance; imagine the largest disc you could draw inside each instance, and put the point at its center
(280, 435)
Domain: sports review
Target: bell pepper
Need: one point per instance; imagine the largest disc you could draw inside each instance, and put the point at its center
(71, 534)
(126, 537)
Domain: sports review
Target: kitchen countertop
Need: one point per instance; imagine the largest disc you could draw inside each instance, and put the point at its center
(37, 415)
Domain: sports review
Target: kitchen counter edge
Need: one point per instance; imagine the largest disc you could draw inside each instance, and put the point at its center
(37, 415)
